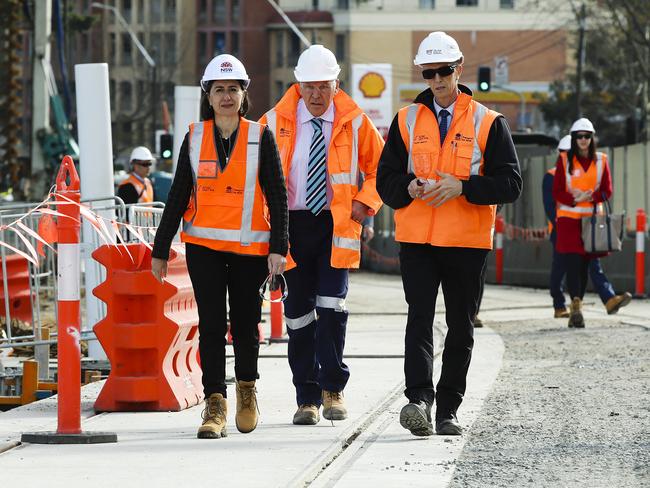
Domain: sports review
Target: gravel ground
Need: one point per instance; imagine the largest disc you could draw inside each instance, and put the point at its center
(570, 408)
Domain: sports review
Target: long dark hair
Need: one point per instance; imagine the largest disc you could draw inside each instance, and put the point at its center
(206, 111)
(575, 150)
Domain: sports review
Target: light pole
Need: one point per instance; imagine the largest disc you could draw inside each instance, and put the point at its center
(521, 123)
(145, 54)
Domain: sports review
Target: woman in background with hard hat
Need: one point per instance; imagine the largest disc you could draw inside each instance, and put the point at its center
(582, 180)
(228, 180)
(137, 188)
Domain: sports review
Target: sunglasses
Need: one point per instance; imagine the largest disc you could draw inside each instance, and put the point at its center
(429, 74)
(146, 164)
(584, 135)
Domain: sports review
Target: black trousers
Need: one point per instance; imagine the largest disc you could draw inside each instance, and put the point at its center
(212, 273)
(459, 270)
(577, 271)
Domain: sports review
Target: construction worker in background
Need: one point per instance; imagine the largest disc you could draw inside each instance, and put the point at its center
(228, 180)
(447, 163)
(604, 288)
(325, 140)
(137, 188)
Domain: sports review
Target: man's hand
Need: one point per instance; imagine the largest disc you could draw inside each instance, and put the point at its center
(159, 268)
(277, 263)
(416, 188)
(367, 233)
(443, 190)
(359, 211)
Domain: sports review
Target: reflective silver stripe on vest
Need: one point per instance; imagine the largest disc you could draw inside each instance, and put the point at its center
(480, 112)
(334, 303)
(196, 138)
(301, 322)
(346, 243)
(351, 178)
(411, 114)
(271, 120)
(245, 236)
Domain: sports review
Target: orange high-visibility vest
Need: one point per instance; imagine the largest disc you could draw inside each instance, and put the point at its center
(582, 180)
(456, 223)
(145, 190)
(227, 210)
(355, 147)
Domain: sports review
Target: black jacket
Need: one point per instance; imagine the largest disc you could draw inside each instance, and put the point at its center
(501, 180)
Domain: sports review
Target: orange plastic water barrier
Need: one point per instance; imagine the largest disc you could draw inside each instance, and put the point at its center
(150, 333)
(20, 303)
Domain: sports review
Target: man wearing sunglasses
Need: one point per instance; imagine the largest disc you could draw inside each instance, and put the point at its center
(448, 162)
(137, 188)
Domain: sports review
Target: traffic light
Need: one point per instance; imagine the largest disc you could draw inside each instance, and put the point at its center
(166, 146)
(484, 75)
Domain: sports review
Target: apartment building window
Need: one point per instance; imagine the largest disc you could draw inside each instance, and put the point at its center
(234, 44)
(343, 4)
(170, 11)
(111, 90)
(202, 14)
(314, 4)
(279, 49)
(127, 50)
(155, 11)
(279, 89)
(294, 49)
(340, 47)
(235, 12)
(427, 4)
(466, 3)
(127, 10)
(170, 48)
(219, 12)
(507, 3)
(112, 54)
(218, 43)
(156, 47)
(126, 96)
(203, 49)
(140, 4)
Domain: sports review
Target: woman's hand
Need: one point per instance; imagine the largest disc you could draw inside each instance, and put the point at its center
(277, 263)
(159, 268)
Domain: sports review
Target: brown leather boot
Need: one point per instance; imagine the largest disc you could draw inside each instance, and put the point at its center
(561, 313)
(334, 405)
(575, 315)
(306, 415)
(214, 418)
(616, 302)
(246, 416)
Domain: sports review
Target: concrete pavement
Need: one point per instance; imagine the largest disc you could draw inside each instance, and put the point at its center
(368, 449)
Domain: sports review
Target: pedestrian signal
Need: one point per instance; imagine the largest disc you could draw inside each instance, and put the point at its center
(484, 76)
(166, 145)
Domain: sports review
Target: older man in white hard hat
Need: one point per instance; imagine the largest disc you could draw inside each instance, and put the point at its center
(137, 187)
(447, 163)
(325, 141)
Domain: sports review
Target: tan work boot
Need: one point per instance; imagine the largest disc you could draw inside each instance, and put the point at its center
(616, 302)
(561, 313)
(306, 415)
(214, 418)
(334, 406)
(246, 416)
(575, 315)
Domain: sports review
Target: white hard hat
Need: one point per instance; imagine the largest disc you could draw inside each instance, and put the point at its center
(438, 47)
(141, 153)
(565, 143)
(224, 67)
(582, 124)
(317, 63)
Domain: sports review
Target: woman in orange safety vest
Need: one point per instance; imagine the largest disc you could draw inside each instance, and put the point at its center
(230, 191)
(582, 180)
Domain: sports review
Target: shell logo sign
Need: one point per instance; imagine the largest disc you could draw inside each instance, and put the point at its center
(372, 85)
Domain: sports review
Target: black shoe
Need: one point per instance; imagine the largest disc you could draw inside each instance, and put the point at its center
(447, 424)
(477, 322)
(416, 417)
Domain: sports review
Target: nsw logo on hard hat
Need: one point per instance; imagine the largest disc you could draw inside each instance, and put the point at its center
(226, 67)
(372, 85)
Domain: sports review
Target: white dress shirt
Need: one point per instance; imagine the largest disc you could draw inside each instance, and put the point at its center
(297, 183)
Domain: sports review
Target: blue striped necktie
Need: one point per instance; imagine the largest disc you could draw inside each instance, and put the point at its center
(443, 124)
(316, 196)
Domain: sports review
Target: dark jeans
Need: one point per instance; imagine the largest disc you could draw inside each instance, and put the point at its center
(315, 309)
(212, 272)
(423, 269)
(577, 268)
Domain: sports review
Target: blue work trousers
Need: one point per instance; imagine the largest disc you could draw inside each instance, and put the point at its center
(315, 310)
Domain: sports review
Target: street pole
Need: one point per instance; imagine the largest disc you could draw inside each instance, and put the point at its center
(154, 101)
(521, 122)
(581, 56)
